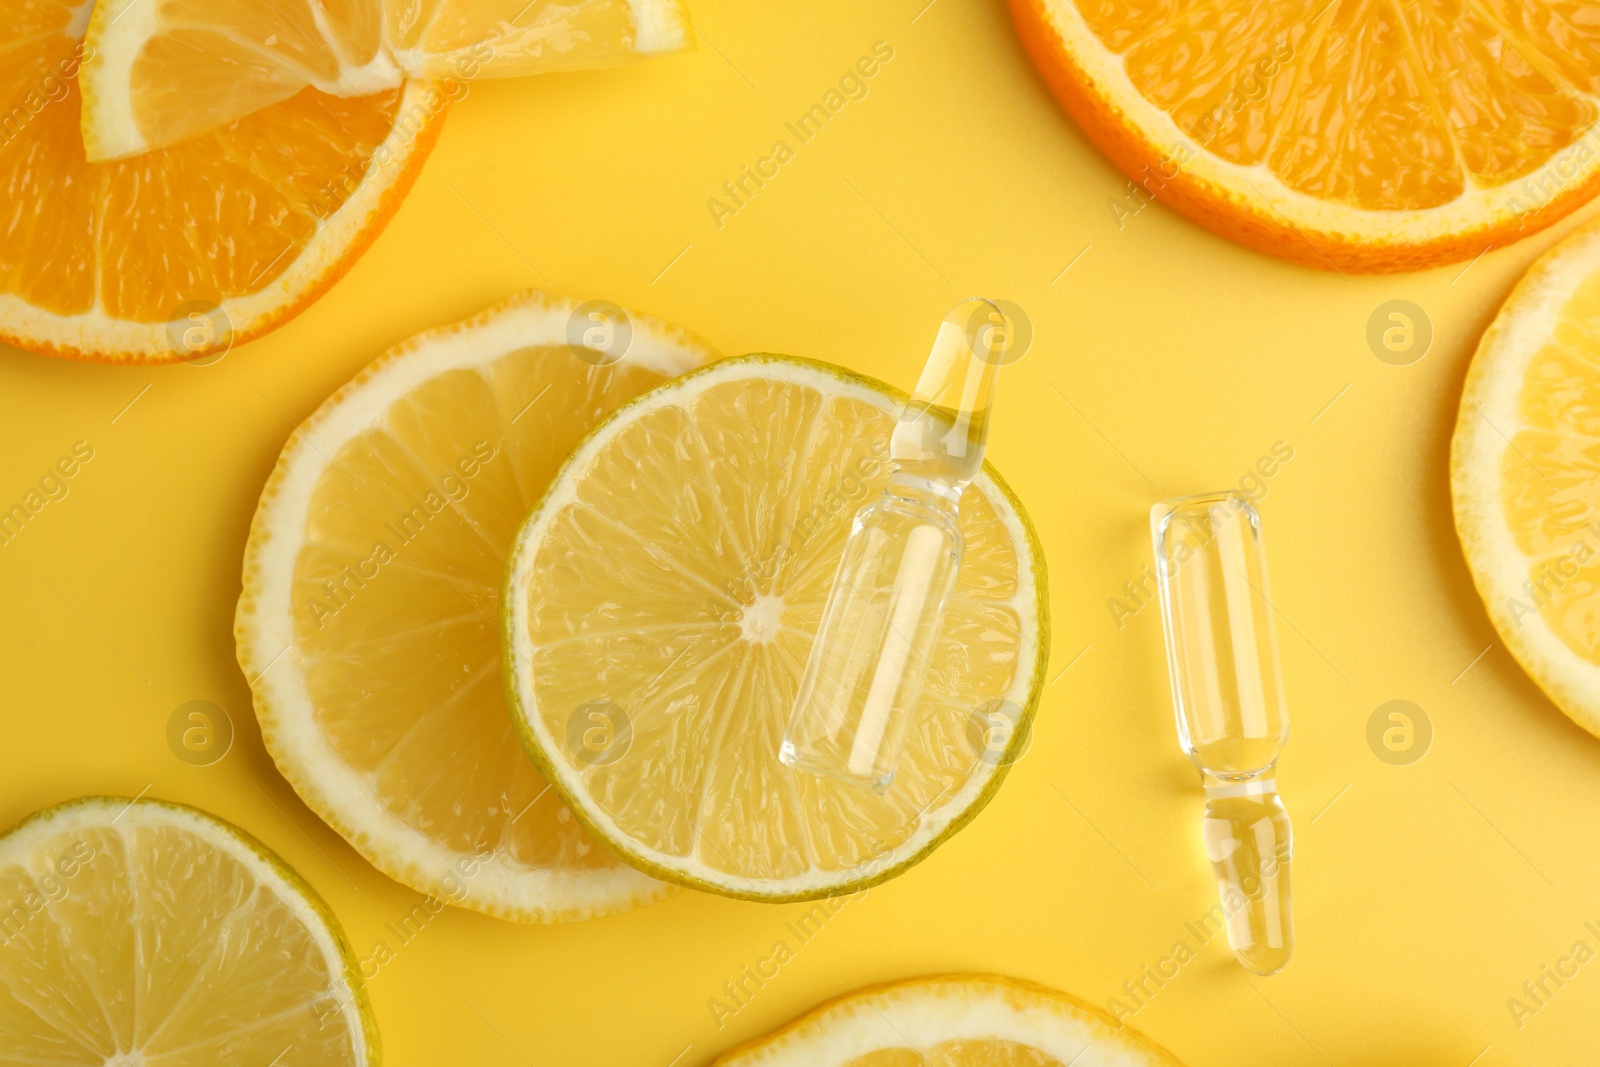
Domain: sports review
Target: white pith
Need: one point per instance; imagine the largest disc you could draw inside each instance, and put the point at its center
(1254, 188)
(112, 131)
(95, 334)
(564, 491)
(124, 816)
(266, 621)
(922, 1014)
(111, 127)
(1488, 421)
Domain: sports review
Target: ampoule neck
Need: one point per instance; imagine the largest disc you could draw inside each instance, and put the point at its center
(938, 493)
(1252, 783)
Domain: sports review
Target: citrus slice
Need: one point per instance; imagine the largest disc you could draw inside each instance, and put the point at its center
(188, 250)
(956, 1020)
(141, 932)
(1366, 135)
(367, 624)
(161, 71)
(660, 604)
(1525, 474)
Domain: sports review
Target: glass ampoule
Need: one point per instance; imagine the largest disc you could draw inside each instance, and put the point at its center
(1233, 720)
(871, 655)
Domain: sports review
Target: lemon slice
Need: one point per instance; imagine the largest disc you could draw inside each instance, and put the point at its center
(660, 604)
(1525, 474)
(140, 932)
(158, 72)
(367, 624)
(958, 1020)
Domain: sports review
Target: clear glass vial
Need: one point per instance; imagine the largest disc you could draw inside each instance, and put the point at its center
(871, 655)
(1233, 721)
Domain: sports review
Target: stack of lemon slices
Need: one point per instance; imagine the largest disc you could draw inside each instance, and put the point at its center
(369, 620)
(177, 176)
(652, 622)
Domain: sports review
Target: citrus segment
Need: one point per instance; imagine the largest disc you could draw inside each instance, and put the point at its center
(190, 249)
(959, 1020)
(368, 621)
(1352, 134)
(162, 71)
(665, 594)
(139, 932)
(1525, 473)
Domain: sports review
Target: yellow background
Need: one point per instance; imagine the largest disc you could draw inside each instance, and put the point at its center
(1166, 361)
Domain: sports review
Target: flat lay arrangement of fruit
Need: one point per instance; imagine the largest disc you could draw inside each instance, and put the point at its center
(447, 697)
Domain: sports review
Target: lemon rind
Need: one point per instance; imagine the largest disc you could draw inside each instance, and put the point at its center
(1487, 421)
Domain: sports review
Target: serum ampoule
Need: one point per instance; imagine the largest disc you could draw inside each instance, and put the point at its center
(1233, 720)
(871, 654)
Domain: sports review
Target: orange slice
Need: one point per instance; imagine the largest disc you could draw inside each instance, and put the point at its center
(162, 71)
(187, 250)
(1366, 135)
(1525, 474)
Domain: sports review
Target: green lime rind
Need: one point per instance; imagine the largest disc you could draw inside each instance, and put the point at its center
(292, 883)
(576, 802)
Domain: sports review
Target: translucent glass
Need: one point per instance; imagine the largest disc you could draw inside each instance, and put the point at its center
(862, 683)
(870, 658)
(1249, 842)
(1222, 646)
(1233, 720)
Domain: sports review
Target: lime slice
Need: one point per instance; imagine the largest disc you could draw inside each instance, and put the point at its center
(367, 624)
(660, 604)
(146, 933)
(957, 1020)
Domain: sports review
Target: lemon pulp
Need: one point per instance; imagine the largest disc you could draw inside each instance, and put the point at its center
(144, 933)
(671, 583)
